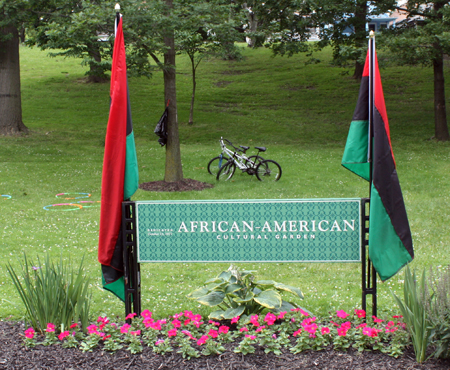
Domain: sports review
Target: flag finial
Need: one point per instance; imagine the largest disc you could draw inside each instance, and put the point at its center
(117, 7)
(371, 33)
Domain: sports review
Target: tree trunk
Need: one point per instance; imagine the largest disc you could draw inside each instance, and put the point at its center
(440, 115)
(96, 72)
(173, 171)
(10, 99)
(194, 85)
(360, 34)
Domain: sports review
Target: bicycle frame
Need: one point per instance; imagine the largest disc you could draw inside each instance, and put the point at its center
(239, 160)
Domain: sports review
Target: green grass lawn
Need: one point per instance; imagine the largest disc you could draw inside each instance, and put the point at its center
(300, 112)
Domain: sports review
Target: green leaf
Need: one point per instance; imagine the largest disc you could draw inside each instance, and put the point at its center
(214, 280)
(249, 296)
(218, 315)
(285, 306)
(269, 298)
(232, 288)
(289, 289)
(225, 275)
(233, 312)
(212, 299)
(266, 283)
(215, 286)
(197, 293)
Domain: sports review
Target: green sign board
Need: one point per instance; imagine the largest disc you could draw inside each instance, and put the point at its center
(297, 230)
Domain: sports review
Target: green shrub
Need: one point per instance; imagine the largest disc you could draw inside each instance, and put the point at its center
(53, 293)
(414, 312)
(438, 309)
(237, 294)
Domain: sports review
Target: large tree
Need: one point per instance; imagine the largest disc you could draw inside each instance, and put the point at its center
(424, 39)
(79, 29)
(12, 15)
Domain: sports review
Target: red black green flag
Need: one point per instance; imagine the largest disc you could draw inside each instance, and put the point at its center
(390, 242)
(120, 177)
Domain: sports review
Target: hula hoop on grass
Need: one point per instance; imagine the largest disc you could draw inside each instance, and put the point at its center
(77, 207)
(5, 196)
(89, 201)
(84, 195)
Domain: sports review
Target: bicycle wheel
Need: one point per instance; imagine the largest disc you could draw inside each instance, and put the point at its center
(215, 164)
(268, 170)
(227, 171)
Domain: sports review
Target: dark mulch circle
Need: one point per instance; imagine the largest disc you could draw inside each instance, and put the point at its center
(14, 355)
(182, 185)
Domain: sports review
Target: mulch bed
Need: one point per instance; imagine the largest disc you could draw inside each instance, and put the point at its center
(182, 185)
(14, 355)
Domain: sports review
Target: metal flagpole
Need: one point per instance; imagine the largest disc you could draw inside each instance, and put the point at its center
(371, 274)
(116, 23)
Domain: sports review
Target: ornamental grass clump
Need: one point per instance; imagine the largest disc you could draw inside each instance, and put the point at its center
(414, 312)
(437, 305)
(52, 293)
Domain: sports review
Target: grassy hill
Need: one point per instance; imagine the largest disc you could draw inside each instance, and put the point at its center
(300, 112)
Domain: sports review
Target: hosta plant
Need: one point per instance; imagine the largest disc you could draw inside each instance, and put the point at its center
(236, 292)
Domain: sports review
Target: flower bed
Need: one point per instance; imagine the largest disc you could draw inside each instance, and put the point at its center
(190, 336)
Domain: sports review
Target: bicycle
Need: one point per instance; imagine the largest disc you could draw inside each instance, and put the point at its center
(264, 169)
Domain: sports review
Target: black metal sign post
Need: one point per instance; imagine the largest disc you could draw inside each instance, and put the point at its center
(132, 267)
(369, 275)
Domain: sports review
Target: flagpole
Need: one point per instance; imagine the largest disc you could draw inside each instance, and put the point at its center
(371, 272)
(116, 22)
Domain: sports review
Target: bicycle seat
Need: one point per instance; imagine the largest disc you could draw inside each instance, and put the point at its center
(261, 148)
(244, 147)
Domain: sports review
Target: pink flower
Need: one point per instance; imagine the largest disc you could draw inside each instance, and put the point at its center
(135, 333)
(188, 333)
(298, 332)
(274, 336)
(130, 316)
(63, 335)
(324, 330)
(243, 329)
(270, 318)
(213, 333)
(371, 332)
(146, 313)
(176, 323)
(74, 325)
(281, 315)
(202, 340)
(124, 328)
(186, 322)
(260, 328)
(363, 325)
(172, 332)
(214, 323)
(254, 320)
(347, 325)
(376, 320)
(29, 333)
(342, 331)
(158, 342)
(234, 320)
(341, 314)
(50, 328)
(360, 313)
(223, 329)
(103, 320)
(304, 313)
(311, 328)
(178, 315)
(92, 329)
(252, 337)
